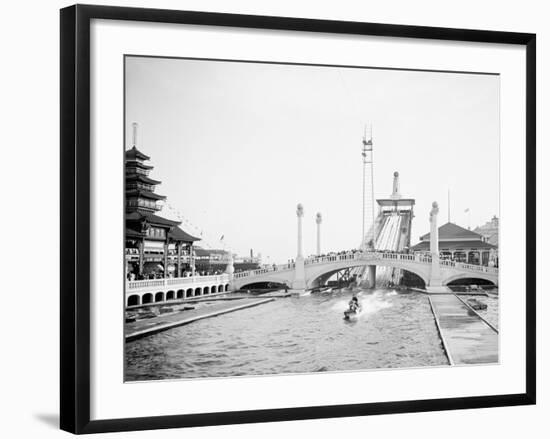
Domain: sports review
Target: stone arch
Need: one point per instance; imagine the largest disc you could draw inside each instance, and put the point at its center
(147, 298)
(322, 271)
(470, 277)
(133, 300)
(170, 295)
(189, 292)
(220, 288)
(205, 290)
(198, 291)
(159, 297)
(213, 289)
(180, 294)
(226, 287)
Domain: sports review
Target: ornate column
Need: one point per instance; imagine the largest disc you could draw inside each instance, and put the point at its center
(178, 247)
(192, 259)
(299, 282)
(140, 270)
(230, 269)
(318, 220)
(166, 260)
(435, 274)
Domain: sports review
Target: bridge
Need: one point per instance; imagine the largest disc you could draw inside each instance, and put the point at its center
(305, 273)
(319, 269)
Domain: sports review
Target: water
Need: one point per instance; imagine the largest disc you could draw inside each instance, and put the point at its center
(491, 313)
(295, 335)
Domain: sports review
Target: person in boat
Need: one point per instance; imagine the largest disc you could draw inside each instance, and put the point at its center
(354, 304)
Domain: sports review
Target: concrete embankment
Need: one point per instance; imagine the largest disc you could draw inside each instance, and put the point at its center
(163, 322)
(467, 337)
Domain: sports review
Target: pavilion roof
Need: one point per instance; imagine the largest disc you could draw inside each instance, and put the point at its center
(454, 245)
(135, 154)
(453, 232)
(151, 218)
(178, 234)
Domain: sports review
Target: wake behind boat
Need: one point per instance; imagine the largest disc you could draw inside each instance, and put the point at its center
(354, 309)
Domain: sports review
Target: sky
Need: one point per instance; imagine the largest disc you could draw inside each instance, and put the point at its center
(238, 145)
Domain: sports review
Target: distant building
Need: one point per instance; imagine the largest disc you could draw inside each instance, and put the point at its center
(155, 246)
(462, 245)
(212, 260)
(489, 231)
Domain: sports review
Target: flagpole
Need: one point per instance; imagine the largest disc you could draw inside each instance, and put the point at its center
(448, 205)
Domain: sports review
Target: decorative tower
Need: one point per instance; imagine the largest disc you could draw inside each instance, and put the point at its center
(140, 189)
(299, 268)
(368, 192)
(435, 284)
(318, 220)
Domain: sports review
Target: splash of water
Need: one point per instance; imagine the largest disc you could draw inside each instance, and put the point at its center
(370, 303)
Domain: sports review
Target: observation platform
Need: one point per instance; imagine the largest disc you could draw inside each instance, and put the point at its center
(466, 336)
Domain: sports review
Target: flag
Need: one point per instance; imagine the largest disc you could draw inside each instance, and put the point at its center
(467, 210)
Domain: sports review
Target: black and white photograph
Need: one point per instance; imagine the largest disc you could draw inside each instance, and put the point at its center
(299, 219)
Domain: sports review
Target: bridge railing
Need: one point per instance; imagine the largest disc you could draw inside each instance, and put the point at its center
(370, 255)
(477, 268)
(260, 271)
(176, 281)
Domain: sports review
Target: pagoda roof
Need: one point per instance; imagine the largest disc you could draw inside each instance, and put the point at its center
(135, 154)
(151, 218)
(454, 245)
(142, 178)
(453, 232)
(145, 194)
(130, 163)
(178, 234)
(131, 233)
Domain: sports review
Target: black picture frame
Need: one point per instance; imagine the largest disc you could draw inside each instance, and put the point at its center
(75, 217)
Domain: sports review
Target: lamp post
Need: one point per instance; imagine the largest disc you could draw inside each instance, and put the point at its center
(318, 220)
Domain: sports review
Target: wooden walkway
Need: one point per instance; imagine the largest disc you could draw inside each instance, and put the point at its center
(466, 336)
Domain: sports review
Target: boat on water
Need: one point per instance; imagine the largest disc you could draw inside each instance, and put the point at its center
(351, 314)
(476, 304)
(354, 309)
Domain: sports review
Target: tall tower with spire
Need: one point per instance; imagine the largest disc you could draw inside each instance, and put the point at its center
(368, 191)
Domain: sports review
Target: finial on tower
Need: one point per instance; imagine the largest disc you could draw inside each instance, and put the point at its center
(318, 218)
(300, 210)
(395, 195)
(134, 134)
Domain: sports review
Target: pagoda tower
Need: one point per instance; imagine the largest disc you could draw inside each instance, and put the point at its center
(155, 246)
(140, 189)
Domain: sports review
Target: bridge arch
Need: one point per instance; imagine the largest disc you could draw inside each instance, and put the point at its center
(315, 272)
(147, 298)
(254, 284)
(469, 276)
(170, 295)
(133, 300)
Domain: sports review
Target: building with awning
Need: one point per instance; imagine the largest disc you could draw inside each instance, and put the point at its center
(155, 246)
(462, 245)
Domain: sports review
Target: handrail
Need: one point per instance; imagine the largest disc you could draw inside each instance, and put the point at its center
(175, 281)
(370, 255)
